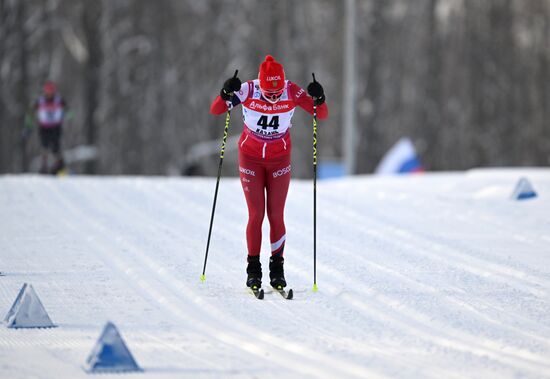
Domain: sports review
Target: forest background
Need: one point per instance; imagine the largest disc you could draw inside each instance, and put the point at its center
(467, 80)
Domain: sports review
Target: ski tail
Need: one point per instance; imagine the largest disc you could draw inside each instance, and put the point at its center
(258, 292)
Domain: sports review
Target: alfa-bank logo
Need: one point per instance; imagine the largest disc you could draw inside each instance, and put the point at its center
(266, 108)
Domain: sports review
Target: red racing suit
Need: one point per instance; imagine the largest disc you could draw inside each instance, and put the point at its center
(264, 156)
(49, 116)
(50, 113)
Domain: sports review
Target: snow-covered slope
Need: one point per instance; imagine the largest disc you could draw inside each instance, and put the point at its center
(431, 276)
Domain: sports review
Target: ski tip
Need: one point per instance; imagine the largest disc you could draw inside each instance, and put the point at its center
(203, 278)
(261, 294)
(315, 288)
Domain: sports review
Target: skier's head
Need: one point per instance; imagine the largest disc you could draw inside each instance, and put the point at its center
(272, 79)
(49, 89)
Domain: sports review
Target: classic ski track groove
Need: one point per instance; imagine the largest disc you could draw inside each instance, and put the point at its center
(138, 288)
(281, 352)
(324, 331)
(298, 319)
(171, 202)
(447, 338)
(401, 231)
(401, 244)
(401, 239)
(160, 286)
(536, 361)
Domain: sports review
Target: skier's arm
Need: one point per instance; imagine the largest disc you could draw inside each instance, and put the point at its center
(218, 106)
(68, 112)
(30, 121)
(33, 112)
(69, 115)
(305, 102)
(28, 125)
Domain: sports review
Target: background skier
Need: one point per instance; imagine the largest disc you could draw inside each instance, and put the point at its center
(49, 113)
(268, 104)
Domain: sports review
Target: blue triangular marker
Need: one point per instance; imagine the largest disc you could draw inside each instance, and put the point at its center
(27, 311)
(110, 354)
(524, 190)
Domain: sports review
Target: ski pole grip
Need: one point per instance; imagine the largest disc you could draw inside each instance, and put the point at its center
(236, 72)
(313, 74)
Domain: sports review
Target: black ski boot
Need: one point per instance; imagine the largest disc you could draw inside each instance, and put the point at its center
(58, 167)
(276, 272)
(254, 271)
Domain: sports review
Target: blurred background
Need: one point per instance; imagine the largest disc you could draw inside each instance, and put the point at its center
(468, 81)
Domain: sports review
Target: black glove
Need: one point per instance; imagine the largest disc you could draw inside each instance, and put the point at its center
(229, 86)
(315, 90)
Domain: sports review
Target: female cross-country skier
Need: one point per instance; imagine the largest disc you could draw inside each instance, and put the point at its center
(50, 111)
(268, 105)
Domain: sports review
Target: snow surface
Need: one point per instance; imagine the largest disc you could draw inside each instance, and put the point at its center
(428, 276)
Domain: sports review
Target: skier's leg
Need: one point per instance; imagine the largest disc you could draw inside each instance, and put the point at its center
(44, 143)
(44, 161)
(56, 150)
(252, 175)
(278, 180)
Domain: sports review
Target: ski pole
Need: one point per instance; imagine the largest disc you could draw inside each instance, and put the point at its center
(222, 152)
(314, 193)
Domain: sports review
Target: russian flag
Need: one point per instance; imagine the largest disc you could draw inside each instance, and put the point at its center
(400, 159)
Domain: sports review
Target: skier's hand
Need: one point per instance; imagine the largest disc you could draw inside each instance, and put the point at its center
(315, 90)
(229, 86)
(69, 115)
(28, 126)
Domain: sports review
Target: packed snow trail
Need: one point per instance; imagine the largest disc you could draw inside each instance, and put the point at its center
(430, 276)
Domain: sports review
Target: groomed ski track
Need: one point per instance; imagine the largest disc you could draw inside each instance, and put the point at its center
(432, 276)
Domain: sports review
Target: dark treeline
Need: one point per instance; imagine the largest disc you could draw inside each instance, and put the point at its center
(467, 80)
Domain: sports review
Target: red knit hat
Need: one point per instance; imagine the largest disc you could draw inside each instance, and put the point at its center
(49, 88)
(272, 75)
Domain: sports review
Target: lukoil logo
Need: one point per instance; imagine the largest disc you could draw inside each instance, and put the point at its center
(247, 171)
